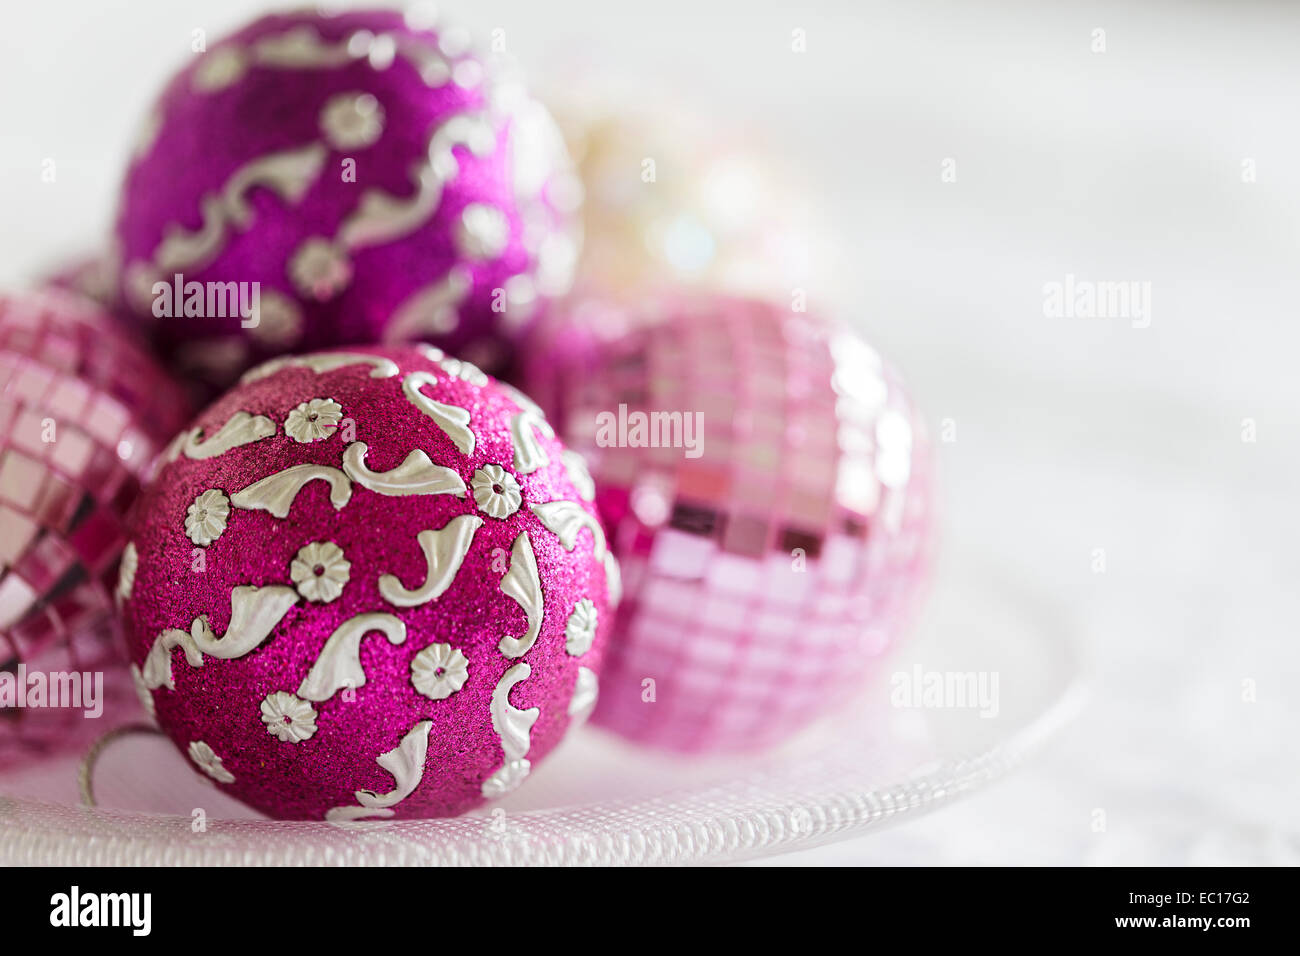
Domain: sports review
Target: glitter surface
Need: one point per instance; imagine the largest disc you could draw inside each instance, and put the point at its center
(375, 187)
(224, 702)
(83, 412)
(767, 575)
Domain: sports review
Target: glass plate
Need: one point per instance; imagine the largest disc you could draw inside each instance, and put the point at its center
(600, 801)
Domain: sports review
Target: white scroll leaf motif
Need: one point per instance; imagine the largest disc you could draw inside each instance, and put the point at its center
(406, 764)
(254, 613)
(242, 429)
(529, 453)
(288, 174)
(565, 519)
(576, 467)
(523, 584)
(157, 670)
(431, 310)
(613, 579)
(444, 551)
(452, 419)
(381, 217)
(339, 663)
(585, 692)
(276, 493)
(321, 363)
(302, 47)
(182, 248)
(417, 475)
(514, 726)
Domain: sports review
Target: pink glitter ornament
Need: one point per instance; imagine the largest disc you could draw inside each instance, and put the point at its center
(83, 413)
(369, 585)
(375, 179)
(771, 524)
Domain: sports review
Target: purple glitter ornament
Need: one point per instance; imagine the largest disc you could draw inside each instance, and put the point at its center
(764, 481)
(83, 413)
(369, 585)
(374, 179)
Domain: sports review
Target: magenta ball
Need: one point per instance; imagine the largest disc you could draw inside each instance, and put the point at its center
(772, 543)
(370, 584)
(83, 413)
(376, 179)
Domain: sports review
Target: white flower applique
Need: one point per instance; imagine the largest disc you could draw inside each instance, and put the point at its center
(320, 570)
(496, 492)
(311, 421)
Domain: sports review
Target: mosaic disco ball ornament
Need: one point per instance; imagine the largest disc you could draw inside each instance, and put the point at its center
(764, 482)
(83, 413)
(369, 584)
(376, 179)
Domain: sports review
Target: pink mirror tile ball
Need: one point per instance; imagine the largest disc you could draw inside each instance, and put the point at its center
(768, 574)
(83, 413)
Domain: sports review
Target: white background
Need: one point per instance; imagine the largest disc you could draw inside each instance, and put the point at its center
(1071, 434)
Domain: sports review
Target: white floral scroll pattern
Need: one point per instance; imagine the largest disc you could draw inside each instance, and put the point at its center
(322, 363)
(529, 453)
(241, 429)
(276, 493)
(523, 584)
(416, 475)
(444, 551)
(565, 519)
(381, 218)
(432, 309)
(288, 174)
(302, 47)
(339, 663)
(514, 727)
(254, 613)
(456, 368)
(452, 419)
(406, 764)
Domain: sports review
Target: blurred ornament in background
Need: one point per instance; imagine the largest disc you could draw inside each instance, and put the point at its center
(371, 175)
(765, 483)
(674, 198)
(83, 414)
